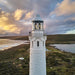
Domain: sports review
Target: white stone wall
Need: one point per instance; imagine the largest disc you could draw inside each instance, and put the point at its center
(37, 55)
(37, 33)
(37, 62)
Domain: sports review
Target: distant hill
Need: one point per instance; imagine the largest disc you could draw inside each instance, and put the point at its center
(61, 38)
(15, 37)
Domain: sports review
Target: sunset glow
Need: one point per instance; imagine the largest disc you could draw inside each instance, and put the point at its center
(16, 16)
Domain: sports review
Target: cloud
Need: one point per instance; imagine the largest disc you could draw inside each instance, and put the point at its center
(66, 7)
(8, 24)
(18, 14)
(59, 26)
(70, 18)
(5, 5)
(29, 15)
(70, 32)
(13, 26)
(20, 4)
(2, 32)
(43, 7)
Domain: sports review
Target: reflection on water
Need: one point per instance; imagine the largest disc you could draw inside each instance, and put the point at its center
(6, 43)
(65, 47)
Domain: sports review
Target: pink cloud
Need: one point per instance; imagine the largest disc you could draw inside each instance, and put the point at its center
(66, 7)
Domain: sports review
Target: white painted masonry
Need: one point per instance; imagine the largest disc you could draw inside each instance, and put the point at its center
(37, 48)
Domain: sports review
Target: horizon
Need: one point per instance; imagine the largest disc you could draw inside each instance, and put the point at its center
(28, 35)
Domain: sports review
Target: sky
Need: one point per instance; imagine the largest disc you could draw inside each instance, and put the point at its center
(16, 16)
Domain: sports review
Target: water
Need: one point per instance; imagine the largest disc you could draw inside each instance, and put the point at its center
(6, 43)
(65, 47)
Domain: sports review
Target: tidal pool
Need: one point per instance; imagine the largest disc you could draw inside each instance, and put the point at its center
(65, 47)
(6, 43)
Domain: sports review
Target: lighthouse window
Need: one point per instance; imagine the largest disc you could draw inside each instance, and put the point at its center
(35, 26)
(43, 43)
(37, 43)
(39, 25)
(32, 43)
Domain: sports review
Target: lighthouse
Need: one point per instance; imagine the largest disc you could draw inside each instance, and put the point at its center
(37, 48)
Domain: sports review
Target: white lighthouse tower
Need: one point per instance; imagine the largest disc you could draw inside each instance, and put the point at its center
(37, 48)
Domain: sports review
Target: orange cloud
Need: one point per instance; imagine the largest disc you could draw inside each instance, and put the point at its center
(7, 24)
(12, 28)
(18, 14)
(29, 15)
(66, 7)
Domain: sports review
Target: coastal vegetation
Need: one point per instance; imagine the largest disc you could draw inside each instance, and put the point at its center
(58, 62)
(51, 39)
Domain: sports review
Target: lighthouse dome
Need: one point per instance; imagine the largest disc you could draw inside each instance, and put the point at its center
(37, 18)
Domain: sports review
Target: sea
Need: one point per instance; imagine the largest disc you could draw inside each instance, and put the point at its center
(7, 43)
(65, 47)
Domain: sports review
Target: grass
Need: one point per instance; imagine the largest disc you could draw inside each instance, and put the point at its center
(15, 37)
(10, 63)
(58, 62)
(61, 39)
